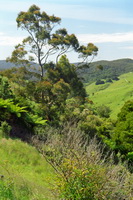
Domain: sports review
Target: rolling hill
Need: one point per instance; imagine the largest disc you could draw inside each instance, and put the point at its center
(114, 94)
(110, 69)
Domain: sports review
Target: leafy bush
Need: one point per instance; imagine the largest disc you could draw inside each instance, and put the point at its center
(130, 156)
(103, 111)
(92, 182)
(123, 133)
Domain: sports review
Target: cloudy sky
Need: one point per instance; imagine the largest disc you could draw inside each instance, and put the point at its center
(106, 23)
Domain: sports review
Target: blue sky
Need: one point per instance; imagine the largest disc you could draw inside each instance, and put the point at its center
(106, 23)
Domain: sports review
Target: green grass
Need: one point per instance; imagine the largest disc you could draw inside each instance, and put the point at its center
(25, 171)
(113, 95)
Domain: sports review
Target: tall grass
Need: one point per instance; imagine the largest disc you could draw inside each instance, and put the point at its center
(24, 173)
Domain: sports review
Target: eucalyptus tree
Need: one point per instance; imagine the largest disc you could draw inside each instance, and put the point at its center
(44, 41)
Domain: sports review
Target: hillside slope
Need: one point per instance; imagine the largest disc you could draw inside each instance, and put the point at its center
(110, 69)
(23, 168)
(113, 95)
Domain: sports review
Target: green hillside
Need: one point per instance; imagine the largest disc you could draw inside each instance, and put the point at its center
(25, 173)
(110, 69)
(113, 94)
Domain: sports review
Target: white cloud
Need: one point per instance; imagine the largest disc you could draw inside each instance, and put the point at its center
(104, 37)
(6, 40)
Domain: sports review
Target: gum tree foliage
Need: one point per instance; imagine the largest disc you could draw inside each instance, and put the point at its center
(43, 40)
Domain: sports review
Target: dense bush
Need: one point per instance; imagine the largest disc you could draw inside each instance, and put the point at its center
(103, 111)
(122, 136)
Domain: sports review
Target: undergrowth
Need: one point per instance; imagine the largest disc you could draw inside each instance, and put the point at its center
(84, 170)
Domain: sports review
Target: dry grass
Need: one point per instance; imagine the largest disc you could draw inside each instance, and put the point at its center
(73, 155)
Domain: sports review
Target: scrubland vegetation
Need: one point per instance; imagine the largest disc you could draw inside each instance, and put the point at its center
(58, 139)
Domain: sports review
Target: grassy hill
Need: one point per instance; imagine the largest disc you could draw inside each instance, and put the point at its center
(24, 173)
(113, 95)
(110, 69)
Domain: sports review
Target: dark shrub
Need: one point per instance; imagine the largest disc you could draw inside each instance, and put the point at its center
(98, 82)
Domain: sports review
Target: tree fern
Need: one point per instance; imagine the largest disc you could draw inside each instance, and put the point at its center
(10, 107)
